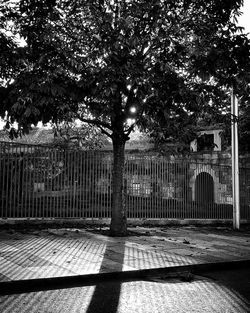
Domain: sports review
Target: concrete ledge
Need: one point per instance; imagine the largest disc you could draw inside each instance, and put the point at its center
(77, 222)
(31, 285)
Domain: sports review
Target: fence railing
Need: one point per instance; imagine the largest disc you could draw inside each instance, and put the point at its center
(43, 182)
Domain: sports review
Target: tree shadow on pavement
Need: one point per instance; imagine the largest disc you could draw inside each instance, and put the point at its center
(106, 296)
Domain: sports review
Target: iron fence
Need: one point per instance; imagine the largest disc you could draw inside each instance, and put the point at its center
(45, 182)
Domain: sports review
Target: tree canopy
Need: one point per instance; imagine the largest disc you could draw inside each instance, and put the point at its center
(168, 59)
(162, 64)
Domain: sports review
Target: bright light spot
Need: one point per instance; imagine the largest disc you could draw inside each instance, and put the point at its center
(1, 124)
(22, 42)
(132, 109)
(130, 121)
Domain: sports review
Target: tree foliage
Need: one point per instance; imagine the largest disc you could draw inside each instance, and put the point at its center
(161, 64)
(75, 136)
(168, 59)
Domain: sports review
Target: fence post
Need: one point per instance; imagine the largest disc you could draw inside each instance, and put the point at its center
(235, 161)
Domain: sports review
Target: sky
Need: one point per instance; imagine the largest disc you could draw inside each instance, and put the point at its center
(244, 20)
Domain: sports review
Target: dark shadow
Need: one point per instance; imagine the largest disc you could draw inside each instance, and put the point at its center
(106, 296)
(236, 279)
(204, 188)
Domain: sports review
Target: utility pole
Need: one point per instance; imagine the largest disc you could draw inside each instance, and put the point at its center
(235, 161)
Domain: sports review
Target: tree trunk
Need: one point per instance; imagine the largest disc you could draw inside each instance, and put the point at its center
(118, 225)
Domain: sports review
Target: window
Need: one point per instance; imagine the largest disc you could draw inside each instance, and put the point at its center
(205, 142)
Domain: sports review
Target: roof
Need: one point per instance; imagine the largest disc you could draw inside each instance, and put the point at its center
(36, 136)
(210, 127)
(45, 136)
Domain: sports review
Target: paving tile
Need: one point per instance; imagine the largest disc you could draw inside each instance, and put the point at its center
(3, 278)
(50, 271)
(23, 258)
(13, 271)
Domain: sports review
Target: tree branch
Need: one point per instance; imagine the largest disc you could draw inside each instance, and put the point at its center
(105, 132)
(95, 122)
(130, 129)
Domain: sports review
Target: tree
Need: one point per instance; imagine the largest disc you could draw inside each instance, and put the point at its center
(156, 62)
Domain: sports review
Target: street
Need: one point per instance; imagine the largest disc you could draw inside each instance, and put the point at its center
(215, 292)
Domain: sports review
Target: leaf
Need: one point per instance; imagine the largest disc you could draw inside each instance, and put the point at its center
(27, 112)
(97, 37)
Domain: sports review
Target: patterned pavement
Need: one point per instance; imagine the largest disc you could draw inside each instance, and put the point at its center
(69, 252)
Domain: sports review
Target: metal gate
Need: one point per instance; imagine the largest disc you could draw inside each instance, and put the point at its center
(43, 182)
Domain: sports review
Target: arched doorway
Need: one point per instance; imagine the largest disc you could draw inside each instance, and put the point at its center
(204, 188)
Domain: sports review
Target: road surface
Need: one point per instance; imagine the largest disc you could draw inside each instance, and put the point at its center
(222, 292)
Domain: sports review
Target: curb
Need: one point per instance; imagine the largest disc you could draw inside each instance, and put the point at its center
(41, 284)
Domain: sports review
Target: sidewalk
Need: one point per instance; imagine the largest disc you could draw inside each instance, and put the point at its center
(78, 253)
